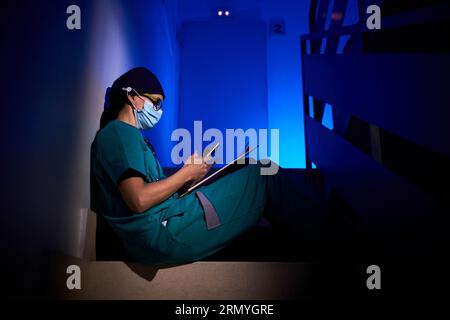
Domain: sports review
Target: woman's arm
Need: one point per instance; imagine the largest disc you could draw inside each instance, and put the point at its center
(140, 196)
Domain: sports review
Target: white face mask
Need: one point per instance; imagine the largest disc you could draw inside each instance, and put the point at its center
(148, 117)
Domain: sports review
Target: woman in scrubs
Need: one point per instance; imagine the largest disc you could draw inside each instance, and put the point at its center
(141, 205)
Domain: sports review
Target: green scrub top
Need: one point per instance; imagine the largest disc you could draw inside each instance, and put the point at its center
(238, 198)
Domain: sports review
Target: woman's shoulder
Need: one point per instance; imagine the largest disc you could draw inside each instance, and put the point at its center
(117, 129)
(118, 133)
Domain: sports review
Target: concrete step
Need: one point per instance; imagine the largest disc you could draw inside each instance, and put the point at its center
(209, 280)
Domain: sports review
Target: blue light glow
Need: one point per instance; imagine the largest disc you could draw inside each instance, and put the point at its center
(327, 119)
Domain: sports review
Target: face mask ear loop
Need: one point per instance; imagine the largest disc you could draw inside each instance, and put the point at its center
(153, 105)
(128, 90)
(140, 97)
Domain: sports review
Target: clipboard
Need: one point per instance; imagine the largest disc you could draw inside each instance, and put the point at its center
(204, 180)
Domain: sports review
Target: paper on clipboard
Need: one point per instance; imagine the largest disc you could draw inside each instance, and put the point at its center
(200, 183)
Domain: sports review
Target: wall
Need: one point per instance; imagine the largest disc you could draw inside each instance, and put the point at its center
(223, 78)
(284, 98)
(284, 79)
(53, 98)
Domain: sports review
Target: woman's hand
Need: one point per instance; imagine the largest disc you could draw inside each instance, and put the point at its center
(139, 196)
(195, 167)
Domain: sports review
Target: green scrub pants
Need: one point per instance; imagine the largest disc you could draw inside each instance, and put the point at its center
(239, 198)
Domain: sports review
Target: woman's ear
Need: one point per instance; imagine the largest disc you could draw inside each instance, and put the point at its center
(132, 101)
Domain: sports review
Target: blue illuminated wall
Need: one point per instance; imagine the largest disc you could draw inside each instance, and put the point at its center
(223, 75)
(283, 68)
(284, 79)
(152, 37)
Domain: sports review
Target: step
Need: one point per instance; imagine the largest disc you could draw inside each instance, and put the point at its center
(206, 280)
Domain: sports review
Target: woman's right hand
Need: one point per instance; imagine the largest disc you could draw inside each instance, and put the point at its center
(195, 167)
(139, 196)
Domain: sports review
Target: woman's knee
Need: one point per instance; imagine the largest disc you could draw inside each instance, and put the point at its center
(263, 167)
